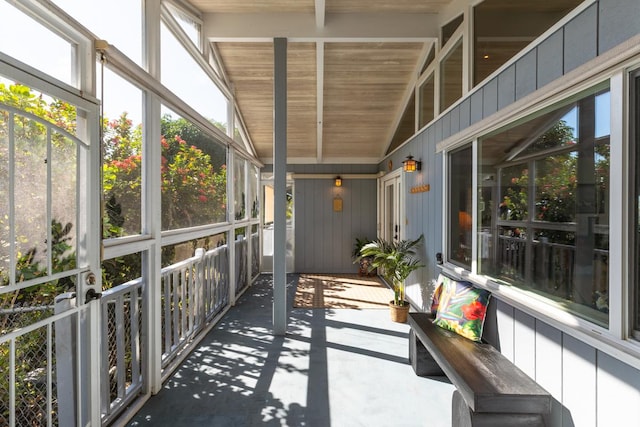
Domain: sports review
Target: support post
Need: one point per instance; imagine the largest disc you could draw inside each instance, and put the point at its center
(280, 185)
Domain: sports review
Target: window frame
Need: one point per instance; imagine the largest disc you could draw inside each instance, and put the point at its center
(616, 339)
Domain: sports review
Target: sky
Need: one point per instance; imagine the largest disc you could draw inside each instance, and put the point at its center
(46, 51)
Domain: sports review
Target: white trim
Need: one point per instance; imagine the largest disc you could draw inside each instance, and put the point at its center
(618, 218)
(582, 78)
(333, 175)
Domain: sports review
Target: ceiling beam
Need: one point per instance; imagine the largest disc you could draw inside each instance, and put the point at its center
(301, 27)
(320, 12)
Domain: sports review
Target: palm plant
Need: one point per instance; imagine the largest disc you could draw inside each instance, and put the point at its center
(395, 260)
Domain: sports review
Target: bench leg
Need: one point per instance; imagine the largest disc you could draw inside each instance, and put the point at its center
(463, 416)
(421, 361)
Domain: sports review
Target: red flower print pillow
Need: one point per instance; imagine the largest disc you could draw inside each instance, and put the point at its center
(462, 308)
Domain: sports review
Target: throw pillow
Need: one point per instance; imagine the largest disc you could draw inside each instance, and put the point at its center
(435, 301)
(462, 308)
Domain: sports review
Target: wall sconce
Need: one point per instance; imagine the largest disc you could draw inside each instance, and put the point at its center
(338, 181)
(411, 165)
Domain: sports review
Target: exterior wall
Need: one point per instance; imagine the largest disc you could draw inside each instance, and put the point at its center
(590, 387)
(324, 239)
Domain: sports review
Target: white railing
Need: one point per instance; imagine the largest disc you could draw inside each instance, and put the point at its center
(192, 292)
(121, 366)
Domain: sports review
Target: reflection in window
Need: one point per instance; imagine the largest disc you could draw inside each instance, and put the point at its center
(460, 207)
(194, 175)
(548, 230)
(451, 77)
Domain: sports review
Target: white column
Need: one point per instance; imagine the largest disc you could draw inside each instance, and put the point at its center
(280, 185)
(152, 198)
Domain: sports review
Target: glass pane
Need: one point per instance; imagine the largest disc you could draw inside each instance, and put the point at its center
(38, 47)
(551, 235)
(253, 183)
(240, 188)
(556, 185)
(5, 256)
(511, 253)
(118, 21)
(189, 25)
(197, 90)
(501, 32)
(450, 28)
(460, 207)
(30, 192)
(514, 193)
(64, 208)
(426, 101)
(194, 175)
(121, 158)
(451, 77)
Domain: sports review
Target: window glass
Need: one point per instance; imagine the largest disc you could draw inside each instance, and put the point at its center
(184, 76)
(548, 229)
(42, 183)
(188, 23)
(451, 77)
(460, 207)
(427, 90)
(194, 175)
(253, 182)
(38, 46)
(450, 28)
(240, 188)
(119, 22)
(500, 32)
(634, 223)
(121, 157)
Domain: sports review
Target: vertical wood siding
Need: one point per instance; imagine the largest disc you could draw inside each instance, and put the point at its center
(590, 388)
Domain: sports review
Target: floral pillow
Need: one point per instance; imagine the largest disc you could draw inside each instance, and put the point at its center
(462, 308)
(435, 300)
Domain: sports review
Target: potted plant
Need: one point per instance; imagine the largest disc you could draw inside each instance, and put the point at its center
(364, 262)
(396, 261)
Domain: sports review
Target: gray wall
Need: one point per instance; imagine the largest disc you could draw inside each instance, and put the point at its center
(589, 386)
(323, 238)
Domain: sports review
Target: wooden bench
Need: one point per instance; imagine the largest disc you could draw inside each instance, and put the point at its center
(491, 391)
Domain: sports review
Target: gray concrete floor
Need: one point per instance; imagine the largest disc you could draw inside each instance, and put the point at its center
(334, 367)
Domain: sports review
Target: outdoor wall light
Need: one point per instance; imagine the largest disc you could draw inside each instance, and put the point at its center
(338, 181)
(411, 165)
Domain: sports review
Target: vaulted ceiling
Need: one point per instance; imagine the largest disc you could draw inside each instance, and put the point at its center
(352, 66)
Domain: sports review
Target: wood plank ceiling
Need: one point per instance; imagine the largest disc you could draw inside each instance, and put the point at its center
(352, 66)
(348, 81)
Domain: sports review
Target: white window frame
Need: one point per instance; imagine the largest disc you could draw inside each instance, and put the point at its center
(615, 339)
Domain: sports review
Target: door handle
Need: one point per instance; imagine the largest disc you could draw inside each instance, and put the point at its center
(92, 294)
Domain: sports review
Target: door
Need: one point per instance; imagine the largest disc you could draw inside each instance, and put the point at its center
(267, 225)
(390, 196)
(49, 252)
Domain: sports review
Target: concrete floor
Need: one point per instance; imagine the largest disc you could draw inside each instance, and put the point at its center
(335, 367)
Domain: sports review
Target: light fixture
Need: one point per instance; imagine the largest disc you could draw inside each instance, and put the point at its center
(338, 181)
(411, 165)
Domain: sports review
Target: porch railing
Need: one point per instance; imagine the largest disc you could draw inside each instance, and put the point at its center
(122, 314)
(192, 292)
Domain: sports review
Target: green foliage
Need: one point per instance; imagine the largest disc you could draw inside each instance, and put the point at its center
(396, 259)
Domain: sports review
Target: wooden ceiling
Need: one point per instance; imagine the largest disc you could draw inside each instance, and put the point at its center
(352, 66)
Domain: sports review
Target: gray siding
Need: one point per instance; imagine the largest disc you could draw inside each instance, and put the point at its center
(590, 388)
(323, 238)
